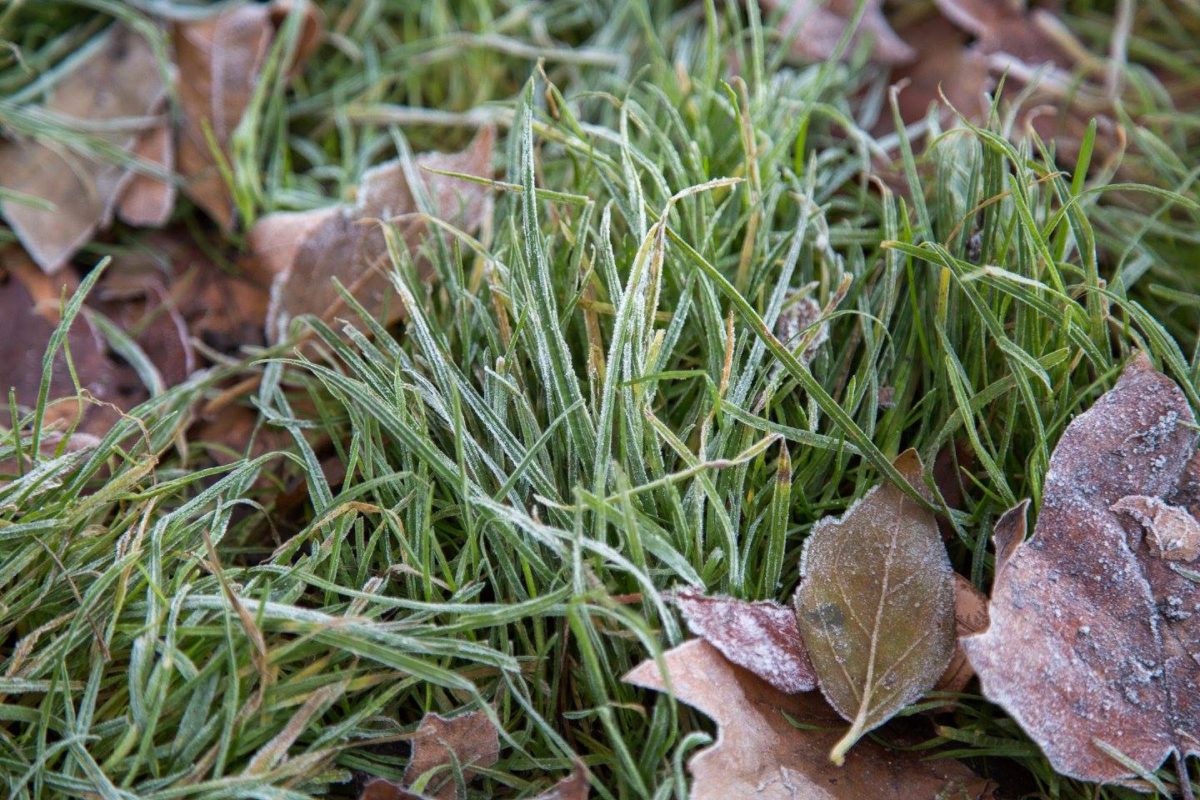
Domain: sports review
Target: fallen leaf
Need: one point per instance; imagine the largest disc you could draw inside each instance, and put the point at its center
(383, 789)
(346, 242)
(760, 754)
(876, 605)
(970, 617)
(572, 787)
(469, 739)
(29, 304)
(814, 29)
(146, 200)
(1094, 633)
(1008, 27)
(946, 67)
(119, 81)
(801, 321)
(762, 637)
(221, 59)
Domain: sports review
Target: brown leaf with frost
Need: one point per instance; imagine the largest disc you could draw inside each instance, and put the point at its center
(1094, 631)
(945, 69)
(876, 605)
(148, 201)
(383, 789)
(814, 28)
(119, 81)
(572, 787)
(307, 250)
(760, 755)
(221, 60)
(762, 637)
(970, 617)
(469, 739)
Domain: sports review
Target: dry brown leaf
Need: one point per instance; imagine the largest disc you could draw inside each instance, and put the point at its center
(29, 304)
(762, 637)
(383, 789)
(876, 605)
(944, 66)
(760, 755)
(814, 29)
(469, 739)
(572, 787)
(221, 58)
(1094, 632)
(146, 200)
(347, 243)
(970, 617)
(120, 80)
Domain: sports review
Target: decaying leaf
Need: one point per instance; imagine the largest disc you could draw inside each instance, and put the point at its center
(876, 605)
(572, 787)
(383, 789)
(1030, 36)
(945, 66)
(798, 324)
(1094, 634)
(120, 80)
(761, 637)
(814, 29)
(760, 755)
(970, 617)
(29, 305)
(221, 59)
(469, 739)
(347, 242)
(146, 200)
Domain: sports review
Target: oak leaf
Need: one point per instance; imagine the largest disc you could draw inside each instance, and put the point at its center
(1095, 631)
(760, 755)
(468, 740)
(876, 605)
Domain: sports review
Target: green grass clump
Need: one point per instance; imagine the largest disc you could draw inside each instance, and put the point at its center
(587, 407)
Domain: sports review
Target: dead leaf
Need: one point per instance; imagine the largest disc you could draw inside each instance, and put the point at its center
(383, 789)
(814, 29)
(795, 325)
(146, 200)
(970, 617)
(1008, 27)
(347, 243)
(762, 637)
(29, 304)
(944, 66)
(221, 59)
(572, 787)
(876, 605)
(119, 81)
(1094, 635)
(469, 739)
(760, 754)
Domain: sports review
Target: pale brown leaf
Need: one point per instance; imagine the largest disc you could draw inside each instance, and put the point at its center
(347, 242)
(146, 200)
(119, 81)
(970, 617)
(1094, 633)
(469, 739)
(761, 636)
(814, 27)
(760, 755)
(876, 605)
(572, 787)
(220, 59)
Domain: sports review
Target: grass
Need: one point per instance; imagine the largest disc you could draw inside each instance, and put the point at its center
(585, 408)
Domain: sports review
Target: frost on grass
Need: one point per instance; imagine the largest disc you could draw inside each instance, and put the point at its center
(762, 637)
(761, 755)
(1094, 641)
(876, 605)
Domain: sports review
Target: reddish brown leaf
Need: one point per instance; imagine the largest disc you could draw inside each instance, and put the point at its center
(572, 787)
(146, 200)
(970, 617)
(347, 242)
(120, 80)
(220, 59)
(382, 789)
(1094, 632)
(760, 754)
(944, 66)
(814, 29)
(762, 637)
(469, 739)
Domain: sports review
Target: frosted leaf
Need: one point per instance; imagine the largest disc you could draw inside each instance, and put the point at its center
(760, 755)
(1172, 532)
(469, 739)
(876, 605)
(970, 617)
(1094, 636)
(761, 636)
(814, 28)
